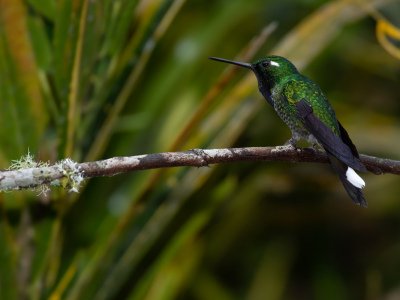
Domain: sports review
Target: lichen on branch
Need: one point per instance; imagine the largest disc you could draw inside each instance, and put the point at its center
(26, 173)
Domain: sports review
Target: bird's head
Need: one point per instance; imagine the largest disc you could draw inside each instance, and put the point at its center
(273, 68)
(269, 70)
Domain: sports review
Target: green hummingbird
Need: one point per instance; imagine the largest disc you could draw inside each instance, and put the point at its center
(302, 105)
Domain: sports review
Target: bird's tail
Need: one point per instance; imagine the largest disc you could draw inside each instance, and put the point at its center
(350, 180)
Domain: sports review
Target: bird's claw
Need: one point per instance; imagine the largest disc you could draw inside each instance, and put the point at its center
(290, 144)
(286, 146)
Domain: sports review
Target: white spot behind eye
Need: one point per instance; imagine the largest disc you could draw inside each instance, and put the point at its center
(273, 63)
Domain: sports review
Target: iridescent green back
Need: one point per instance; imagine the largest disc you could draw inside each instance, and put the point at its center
(294, 88)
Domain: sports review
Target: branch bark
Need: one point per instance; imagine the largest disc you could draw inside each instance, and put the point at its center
(70, 174)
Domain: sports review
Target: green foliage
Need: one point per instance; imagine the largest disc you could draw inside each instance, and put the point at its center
(95, 79)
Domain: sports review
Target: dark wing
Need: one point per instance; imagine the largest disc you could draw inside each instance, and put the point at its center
(341, 151)
(344, 150)
(346, 139)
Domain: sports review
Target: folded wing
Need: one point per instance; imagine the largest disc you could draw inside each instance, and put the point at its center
(341, 151)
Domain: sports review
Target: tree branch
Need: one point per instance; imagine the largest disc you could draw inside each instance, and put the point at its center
(70, 174)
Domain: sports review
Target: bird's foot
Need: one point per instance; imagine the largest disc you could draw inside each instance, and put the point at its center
(289, 145)
(314, 143)
(316, 147)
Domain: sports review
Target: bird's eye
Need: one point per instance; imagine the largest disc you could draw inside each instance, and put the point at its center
(266, 63)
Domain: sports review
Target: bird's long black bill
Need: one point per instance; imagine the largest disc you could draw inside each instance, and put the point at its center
(237, 63)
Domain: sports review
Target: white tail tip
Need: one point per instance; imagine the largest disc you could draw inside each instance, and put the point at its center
(354, 179)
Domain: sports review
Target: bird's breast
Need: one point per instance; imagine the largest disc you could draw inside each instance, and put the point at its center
(287, 112)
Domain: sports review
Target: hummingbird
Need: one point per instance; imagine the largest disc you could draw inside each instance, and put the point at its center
(305, 109)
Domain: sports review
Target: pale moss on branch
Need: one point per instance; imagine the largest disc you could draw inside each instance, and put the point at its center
(73, 175)
(25, 162)
(27, 173)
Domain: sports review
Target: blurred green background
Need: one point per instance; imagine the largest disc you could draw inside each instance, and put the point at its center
(96, 79)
